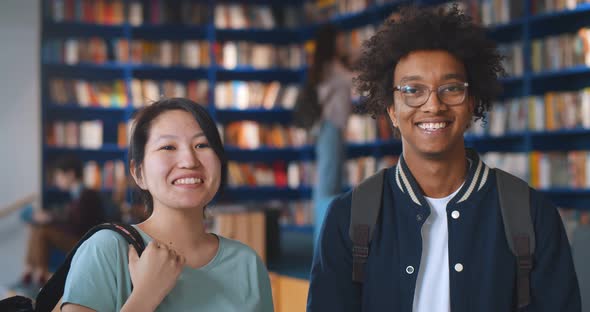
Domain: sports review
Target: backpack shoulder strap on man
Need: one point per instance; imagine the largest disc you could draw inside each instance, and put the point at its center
(514, 199)
(53, 290)
(365, 207)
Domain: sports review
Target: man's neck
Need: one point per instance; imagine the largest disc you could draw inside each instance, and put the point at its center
(438, 178)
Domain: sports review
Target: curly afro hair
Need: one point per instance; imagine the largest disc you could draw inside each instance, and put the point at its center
(428, 29)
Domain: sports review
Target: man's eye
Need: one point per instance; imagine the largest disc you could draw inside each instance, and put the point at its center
(410, 90)
(453, 88)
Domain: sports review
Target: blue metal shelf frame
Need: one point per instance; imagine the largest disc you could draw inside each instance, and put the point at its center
(526, 28)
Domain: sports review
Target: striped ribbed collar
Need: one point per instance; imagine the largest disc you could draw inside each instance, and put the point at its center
(477, 176)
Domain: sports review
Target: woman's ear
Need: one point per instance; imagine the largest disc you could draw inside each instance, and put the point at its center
(136, 174)
(392, 116)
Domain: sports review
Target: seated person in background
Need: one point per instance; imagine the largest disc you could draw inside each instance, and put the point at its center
(177, 159)
(60, 228)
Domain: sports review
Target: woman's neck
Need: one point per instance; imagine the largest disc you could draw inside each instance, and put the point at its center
(183, 230)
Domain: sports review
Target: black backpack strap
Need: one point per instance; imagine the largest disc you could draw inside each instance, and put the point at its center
(364, 210)
(54, 288)
(516, 213)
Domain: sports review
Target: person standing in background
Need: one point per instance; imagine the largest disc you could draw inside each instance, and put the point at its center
(333, 82)
(60, 228)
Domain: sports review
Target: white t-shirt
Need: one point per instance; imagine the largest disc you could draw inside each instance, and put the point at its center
(432, 286)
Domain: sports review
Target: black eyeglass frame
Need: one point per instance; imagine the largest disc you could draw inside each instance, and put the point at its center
(464, 84)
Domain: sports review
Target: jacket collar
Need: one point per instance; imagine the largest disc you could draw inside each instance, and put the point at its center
(477, 176)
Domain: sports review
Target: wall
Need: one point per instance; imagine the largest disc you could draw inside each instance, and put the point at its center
(19, 122)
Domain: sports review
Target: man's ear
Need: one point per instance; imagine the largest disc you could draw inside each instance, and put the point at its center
(392, 116)
(472, 101)
(136, 174)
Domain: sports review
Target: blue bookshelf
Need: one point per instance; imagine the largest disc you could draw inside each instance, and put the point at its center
(524, 29)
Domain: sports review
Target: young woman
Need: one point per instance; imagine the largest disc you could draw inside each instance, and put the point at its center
(333, 82)
(177, 159)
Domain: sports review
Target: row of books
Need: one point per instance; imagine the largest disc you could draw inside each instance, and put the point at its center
(278, 174)
(294, 175)
(165, 53)
(88, 93)
(159, 12)
(114, 93)
(107, 175)
(547, 6)
(563, 51)
(363, 128)
(493, 12)
(253, 135)
(144, 92)
(545, 170)
(240, 16)
(107, 12)
(553, 111)
(232, 54)
(514, 61)
(358, 169)
(72, 134)
(321, 11)
(254, 94)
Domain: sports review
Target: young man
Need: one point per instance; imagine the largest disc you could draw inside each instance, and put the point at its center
(439, 242)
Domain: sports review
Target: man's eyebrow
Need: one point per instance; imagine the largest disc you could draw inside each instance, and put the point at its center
(410, 78)
(454, 76)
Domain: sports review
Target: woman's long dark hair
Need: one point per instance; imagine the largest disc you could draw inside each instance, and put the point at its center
(325, 51)
(141, 129)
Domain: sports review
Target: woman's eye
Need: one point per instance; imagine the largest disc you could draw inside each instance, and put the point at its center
(202, 145)
(167, 148)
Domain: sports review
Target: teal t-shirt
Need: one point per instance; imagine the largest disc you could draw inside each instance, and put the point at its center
(234, 280)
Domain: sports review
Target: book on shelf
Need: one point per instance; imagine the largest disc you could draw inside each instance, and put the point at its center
(358, 169)
(233, 54)
(255, 16)
(167, 53)
(493, 12)
(255, 94)
(254, 135)
(106, 12)
(279, 174)
(75, 134)
(88, 93)
(145, 92)
(546, 170)
(363, 129)
(548, 6)
(561, 51)
(550, 112)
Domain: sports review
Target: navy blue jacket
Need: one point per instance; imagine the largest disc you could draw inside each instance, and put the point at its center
(476, 240)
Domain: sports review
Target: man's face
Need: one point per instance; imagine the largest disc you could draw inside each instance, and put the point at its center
(435, 129)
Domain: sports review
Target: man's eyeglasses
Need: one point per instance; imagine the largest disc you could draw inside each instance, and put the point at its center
(415, 95)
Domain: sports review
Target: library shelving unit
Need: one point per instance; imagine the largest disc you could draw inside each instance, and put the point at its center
(524, 29)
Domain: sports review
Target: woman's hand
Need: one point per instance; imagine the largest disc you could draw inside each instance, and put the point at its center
(155, 273)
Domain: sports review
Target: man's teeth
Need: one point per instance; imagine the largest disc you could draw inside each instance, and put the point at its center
(433, 125)
(188, 181)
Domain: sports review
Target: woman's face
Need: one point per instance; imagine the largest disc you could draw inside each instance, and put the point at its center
(179, 169)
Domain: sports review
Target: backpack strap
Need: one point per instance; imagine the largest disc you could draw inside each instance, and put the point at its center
(364, 210)
(53, 290)
(514, 197)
